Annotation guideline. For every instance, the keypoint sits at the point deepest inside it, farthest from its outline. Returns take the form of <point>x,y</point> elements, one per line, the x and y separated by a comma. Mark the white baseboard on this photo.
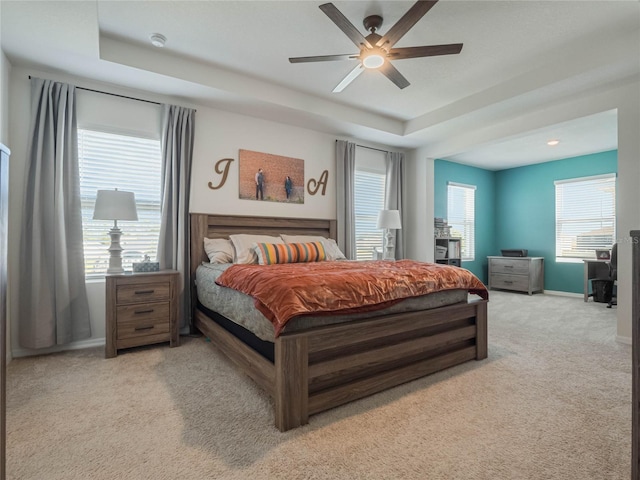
<point>27,352</point>
<point>563,294</point>
<point>625,340</point>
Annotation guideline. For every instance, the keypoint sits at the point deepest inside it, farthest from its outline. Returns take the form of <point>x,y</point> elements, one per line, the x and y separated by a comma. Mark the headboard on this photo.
<point>221,226</point>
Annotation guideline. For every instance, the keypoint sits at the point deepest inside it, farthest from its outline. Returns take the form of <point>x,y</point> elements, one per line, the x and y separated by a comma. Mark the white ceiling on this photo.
<point>582,136</point>
<point>517,56</point>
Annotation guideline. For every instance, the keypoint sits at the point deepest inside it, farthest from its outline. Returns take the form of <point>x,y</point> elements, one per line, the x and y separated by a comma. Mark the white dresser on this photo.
<point>522,274</point>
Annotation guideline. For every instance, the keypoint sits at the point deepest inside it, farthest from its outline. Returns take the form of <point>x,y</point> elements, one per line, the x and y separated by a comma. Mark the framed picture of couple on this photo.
<point>272,178</point>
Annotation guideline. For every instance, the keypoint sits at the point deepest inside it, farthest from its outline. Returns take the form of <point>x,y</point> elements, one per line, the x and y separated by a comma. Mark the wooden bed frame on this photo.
<point>320,368</point>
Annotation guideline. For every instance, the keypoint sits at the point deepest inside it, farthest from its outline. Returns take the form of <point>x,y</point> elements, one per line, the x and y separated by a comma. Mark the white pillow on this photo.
<point>333,250</point>
<point>219,250</point>
<point>243,244</point>
<point>330,246</point>
<point>301,238</point>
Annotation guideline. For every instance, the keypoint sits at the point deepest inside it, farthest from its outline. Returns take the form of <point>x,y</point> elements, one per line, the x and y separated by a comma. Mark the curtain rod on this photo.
<point>371,148</point>
<point>118,95</point>
<point>115,95</point>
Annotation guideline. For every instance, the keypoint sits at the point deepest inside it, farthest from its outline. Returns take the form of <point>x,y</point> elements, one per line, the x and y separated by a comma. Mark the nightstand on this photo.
<point>142,309</point>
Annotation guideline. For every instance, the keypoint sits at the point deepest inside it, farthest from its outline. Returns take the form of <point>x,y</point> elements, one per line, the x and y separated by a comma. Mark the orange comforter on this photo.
<point>282,292</point>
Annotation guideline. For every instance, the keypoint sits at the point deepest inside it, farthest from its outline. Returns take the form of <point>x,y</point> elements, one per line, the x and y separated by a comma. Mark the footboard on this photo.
<point>319,369</point>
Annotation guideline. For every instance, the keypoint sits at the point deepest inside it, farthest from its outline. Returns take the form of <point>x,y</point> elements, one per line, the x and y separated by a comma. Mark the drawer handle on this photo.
<point>140,312</point>
<point>144,292</point>
<point>508,281</point>
<point>139,329</point>
<point>508,266</point>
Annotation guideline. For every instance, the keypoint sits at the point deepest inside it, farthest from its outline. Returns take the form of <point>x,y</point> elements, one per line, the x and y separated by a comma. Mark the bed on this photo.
<point>317,368</point>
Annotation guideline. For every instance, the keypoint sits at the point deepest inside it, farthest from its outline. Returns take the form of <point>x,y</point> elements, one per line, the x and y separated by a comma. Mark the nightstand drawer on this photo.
<point>144,328</point>
<point>509,266</point>
<point>145,311</point>
<point>143,293</point>
<point>509,282</point>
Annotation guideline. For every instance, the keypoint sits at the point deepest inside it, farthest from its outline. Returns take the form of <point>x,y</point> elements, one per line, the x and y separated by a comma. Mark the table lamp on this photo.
<point>389,220</point>
<point>115,205</point>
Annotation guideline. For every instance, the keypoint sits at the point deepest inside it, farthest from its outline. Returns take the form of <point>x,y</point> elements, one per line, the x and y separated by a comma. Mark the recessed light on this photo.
<point>157,40</point>
<point>553,143</point>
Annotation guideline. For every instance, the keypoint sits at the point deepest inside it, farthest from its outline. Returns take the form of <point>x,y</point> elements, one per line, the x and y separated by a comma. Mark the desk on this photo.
<point>594,269</point>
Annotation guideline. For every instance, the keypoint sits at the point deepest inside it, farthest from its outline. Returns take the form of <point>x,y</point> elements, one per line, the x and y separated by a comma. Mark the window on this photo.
<point>585,216</point>
<point>461,212</point>
<point>133,164</point>
<point>369,200</point>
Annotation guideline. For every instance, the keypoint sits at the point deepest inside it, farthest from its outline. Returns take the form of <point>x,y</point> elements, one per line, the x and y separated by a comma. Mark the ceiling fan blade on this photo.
<point>394,75</point>
<point>324,58</point>
<point>407,21</point>
<point>345,25</point>
<point>427,51</point>
<point>349,78</point>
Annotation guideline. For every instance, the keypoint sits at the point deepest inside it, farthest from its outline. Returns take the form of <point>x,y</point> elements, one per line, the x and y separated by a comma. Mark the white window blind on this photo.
<point>369,200</point>
<point>461,213</point>
<point>133,164</point>
<point>585,216</point>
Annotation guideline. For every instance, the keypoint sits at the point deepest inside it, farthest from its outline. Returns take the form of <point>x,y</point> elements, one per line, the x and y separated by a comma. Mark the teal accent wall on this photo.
<point>484,180</point>
<point>525,212</point>
<point>515,208</point>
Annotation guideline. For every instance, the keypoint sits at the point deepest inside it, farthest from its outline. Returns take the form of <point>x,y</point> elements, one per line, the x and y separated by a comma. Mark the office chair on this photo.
<point>613,274</point>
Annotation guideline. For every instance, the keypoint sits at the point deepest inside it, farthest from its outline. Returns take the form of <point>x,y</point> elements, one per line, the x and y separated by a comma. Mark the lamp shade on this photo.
<point>389,219</point>
<point>115,205</point>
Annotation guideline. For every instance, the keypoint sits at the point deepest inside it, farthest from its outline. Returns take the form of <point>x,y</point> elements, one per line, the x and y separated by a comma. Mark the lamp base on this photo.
<point>390,248</point>
<point>115,259</point>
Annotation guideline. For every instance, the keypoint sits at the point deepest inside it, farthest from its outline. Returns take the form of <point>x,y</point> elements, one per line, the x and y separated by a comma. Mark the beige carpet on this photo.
<point>552,401</point>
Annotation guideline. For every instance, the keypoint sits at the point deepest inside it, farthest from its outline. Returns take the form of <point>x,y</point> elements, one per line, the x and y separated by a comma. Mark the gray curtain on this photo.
<point>345,190</point>
<point>394,196</point>
<point>178,125</point>
<point>53,306</point>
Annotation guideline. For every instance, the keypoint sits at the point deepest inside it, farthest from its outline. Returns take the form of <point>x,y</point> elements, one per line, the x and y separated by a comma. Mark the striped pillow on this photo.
<point>272,253</point>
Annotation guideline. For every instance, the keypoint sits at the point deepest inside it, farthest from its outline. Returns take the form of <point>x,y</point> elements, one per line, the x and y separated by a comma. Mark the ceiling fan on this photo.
<point>376,52</point>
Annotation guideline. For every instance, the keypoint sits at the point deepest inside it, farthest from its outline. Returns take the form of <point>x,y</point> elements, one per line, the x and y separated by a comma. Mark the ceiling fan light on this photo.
<point>374,60</point>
